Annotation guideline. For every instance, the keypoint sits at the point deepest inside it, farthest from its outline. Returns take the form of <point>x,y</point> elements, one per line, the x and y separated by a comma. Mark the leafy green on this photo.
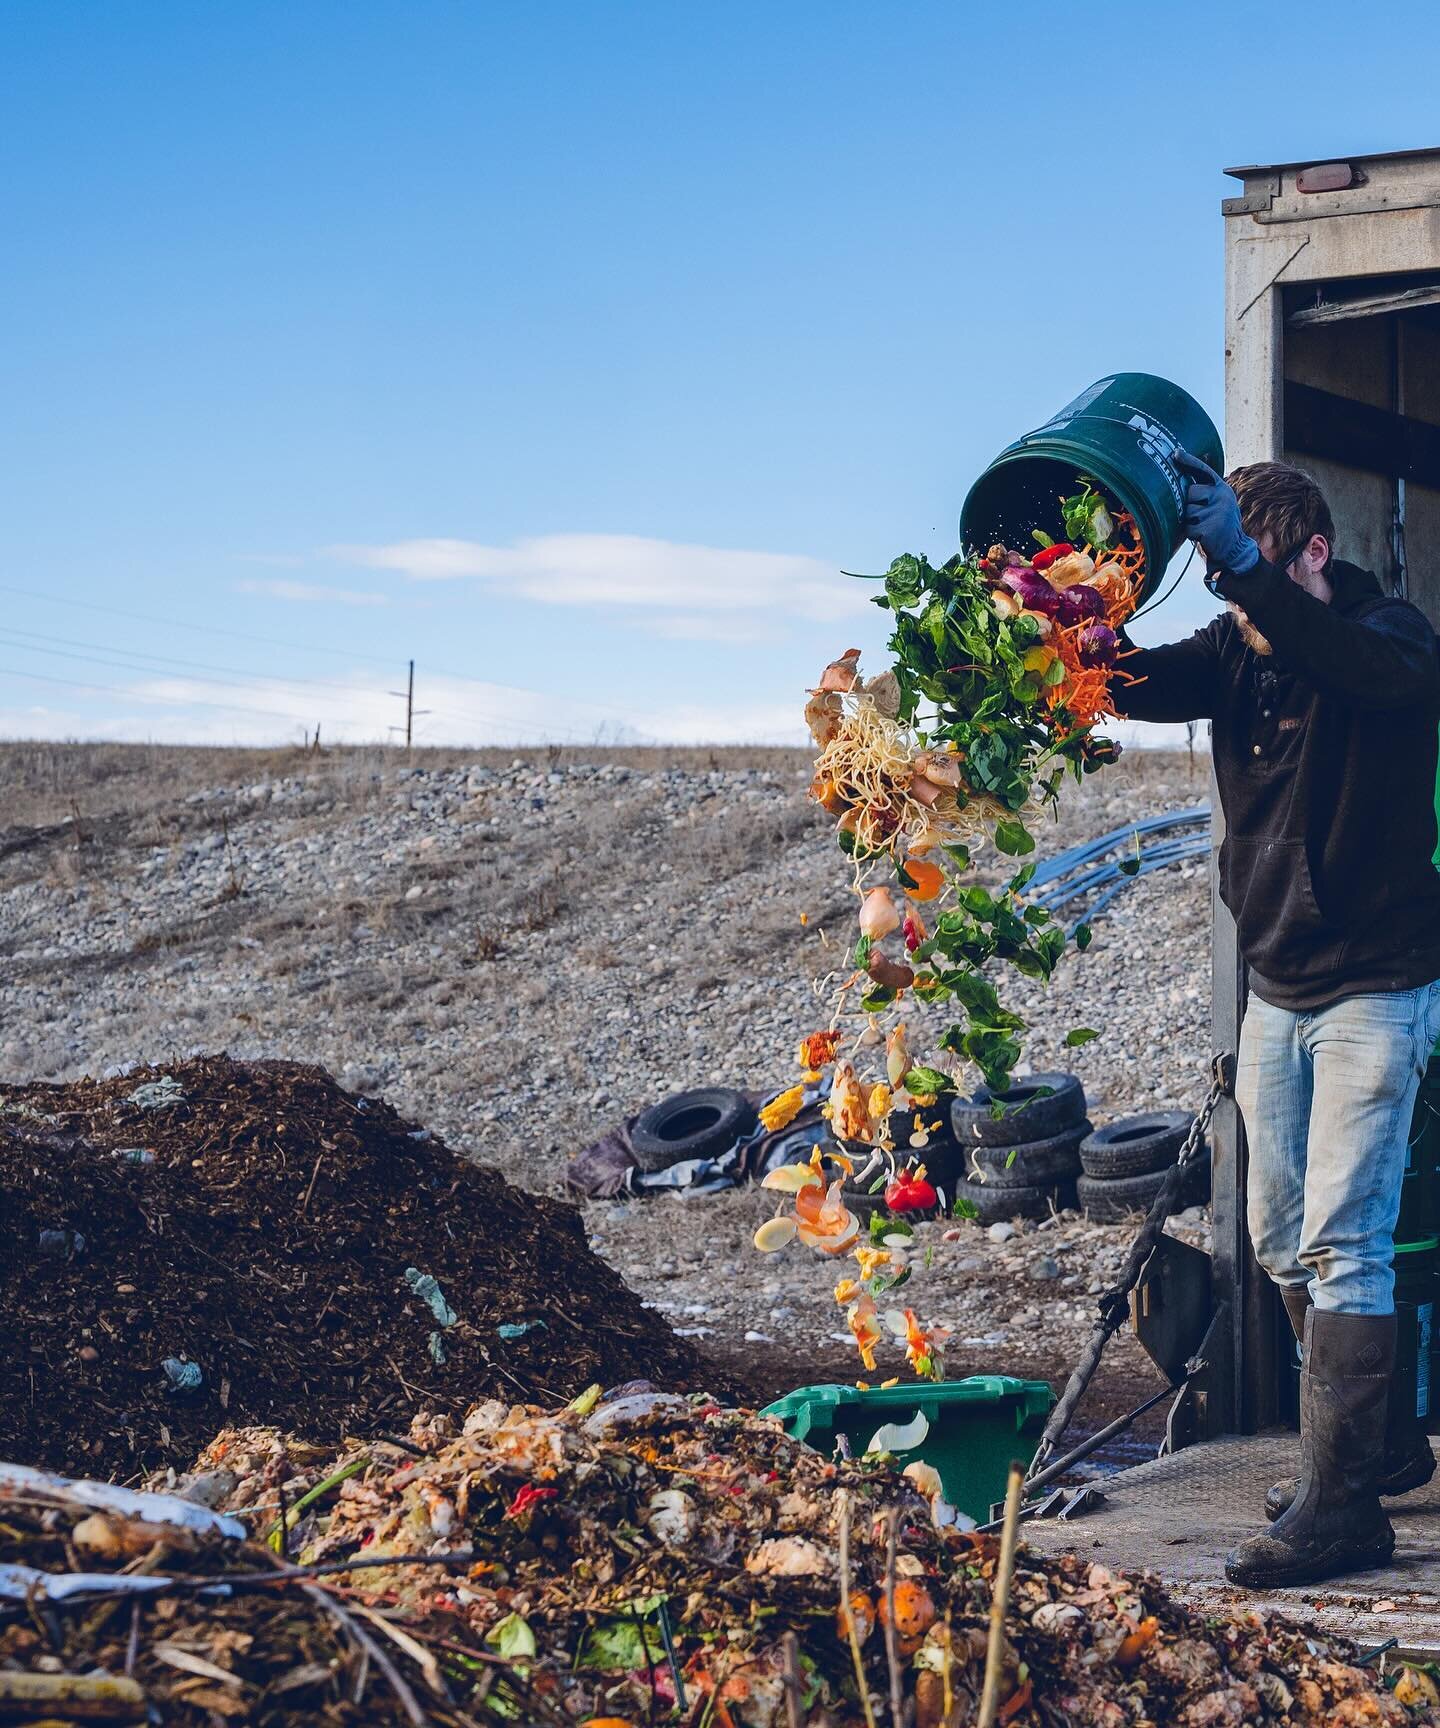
<point>928,1080</point>
<point>512,1637</point>
<point>964,683</point>
<point>1080,1035</point>
<point>1014,838</point>
<point>1087,518</point>
<point>616,1646</point>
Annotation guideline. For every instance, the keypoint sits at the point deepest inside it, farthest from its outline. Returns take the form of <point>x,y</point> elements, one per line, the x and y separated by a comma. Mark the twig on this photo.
<point>369,1649</point>
<point>667,1638</point>
<point>283,1523</point>
<point>305,1203</point>
<point>132,1643</point>
<point>790,1652</point>
<point>494,1665</point>
<point>1000,1600</point>
<point>85,1697</point>
<point>649,1663</point>
<point>847,1618</point>
<point>892,1652</point>
<point>423,1659</point>
<point>399,1685</point>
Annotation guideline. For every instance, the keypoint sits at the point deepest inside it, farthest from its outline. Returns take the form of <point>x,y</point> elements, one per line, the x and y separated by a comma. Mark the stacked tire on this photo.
<point>939,1155</point>
<point>1022,1161</point>
<point>1126,1162</point>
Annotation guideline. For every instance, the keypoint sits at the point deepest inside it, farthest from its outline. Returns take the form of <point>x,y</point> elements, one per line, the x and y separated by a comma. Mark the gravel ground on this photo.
<point>521,950</point>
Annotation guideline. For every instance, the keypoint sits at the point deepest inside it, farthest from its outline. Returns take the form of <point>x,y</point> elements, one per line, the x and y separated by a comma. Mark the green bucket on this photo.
<point>1416,1264</point>
<point>978,1427</point>
<point>1122,433</point>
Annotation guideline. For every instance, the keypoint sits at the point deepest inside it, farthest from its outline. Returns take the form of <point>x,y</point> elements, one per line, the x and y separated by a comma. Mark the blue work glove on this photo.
<point>1212,516</point>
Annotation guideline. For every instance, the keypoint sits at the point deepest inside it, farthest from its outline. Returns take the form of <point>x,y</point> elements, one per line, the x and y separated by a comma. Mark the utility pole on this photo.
<point>411,711</point>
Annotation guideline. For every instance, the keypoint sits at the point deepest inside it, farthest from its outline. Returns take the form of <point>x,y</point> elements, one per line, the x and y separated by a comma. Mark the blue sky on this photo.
<point>574,349</point>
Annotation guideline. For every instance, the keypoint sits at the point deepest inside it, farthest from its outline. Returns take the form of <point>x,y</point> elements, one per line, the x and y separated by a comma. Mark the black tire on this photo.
<point>1135,1145</point>
<point>1113,1201</point>
<point>995,1205</point>
<point>1033,1165</point>
<point>943,1160</point>
<point>698,1124</point>
<point>1038,1107</point>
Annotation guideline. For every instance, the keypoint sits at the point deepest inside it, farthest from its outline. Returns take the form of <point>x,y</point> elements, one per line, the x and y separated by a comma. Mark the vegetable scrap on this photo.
<point>677,1563</point>
<point>1004,666</point>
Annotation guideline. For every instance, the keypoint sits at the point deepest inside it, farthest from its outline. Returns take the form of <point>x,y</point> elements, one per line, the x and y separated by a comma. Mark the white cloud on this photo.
<point>666,576</point>
<point>198,711</point>
<point>317,591</point>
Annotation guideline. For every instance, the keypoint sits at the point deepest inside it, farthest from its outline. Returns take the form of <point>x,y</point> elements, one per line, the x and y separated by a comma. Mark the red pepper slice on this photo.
<point>527,1498</point>
<point>908,1193</point>
<point>1047,555</point>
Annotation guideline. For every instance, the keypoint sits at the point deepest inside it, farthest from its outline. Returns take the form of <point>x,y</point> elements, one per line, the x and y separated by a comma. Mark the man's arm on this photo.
<point>1385,659</point>
<point>1175,682</point>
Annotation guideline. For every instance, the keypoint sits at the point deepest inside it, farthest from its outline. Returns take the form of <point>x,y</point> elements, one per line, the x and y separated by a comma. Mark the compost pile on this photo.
<point>640,1558</point>
<point>219,1242</point>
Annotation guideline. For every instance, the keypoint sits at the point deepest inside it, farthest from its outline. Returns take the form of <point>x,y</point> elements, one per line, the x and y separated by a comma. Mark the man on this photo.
<point>1324,698</point>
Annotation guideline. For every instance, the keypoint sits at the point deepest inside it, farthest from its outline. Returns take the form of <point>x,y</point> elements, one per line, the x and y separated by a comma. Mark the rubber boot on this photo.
<point>1408,1462</point>
<point>1335,1523</point>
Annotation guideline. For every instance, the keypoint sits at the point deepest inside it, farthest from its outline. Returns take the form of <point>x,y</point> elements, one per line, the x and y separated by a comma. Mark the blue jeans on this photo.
<point>1327,1099</point>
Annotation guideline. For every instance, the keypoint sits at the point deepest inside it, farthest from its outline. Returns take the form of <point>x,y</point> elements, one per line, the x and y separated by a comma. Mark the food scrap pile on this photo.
<point>1004,665</point>
<point>247,1242</point>
<point>631,1560</point>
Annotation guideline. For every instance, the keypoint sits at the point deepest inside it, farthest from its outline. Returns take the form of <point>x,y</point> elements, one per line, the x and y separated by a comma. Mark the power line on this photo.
<point>120,662</point>
<point>136,696</point>
<point>292,646</point>
<point>139,654</point>
<point>103,656</point>
<point>181,624</point>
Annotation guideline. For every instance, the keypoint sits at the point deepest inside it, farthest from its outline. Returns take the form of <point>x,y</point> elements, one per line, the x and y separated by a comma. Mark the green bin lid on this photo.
<point>1423,1246</point>
<point>929,1395</point>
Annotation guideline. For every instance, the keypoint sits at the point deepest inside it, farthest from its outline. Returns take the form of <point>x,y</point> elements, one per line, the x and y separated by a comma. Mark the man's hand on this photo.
<point>1212,516</point>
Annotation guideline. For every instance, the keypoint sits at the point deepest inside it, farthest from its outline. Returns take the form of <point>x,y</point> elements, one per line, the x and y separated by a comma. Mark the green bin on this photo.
<point>1417,1188</point>
<point>978,1427</point>
<point>1419,1214</point>
<point>1415,1284</point>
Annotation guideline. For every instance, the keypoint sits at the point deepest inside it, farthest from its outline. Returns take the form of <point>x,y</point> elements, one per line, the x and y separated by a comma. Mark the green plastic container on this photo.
<point>1417,1188</point>
<point>978,1427</point>
<point>1420,1192</point>
<point>1416,1266</point>
<point>1122,433</point>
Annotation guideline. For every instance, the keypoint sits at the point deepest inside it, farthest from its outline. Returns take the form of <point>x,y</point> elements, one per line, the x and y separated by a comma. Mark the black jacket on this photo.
<point>1325,757</point>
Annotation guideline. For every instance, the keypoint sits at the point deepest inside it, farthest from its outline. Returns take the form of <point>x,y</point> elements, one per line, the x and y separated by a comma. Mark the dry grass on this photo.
<point>42,782</point>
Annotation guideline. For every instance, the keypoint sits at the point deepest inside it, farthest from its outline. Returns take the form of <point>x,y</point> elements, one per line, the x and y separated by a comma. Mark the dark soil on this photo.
<point>268,1243</point>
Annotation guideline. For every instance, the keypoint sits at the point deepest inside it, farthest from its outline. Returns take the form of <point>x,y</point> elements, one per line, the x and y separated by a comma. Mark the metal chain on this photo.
<point>1219,1086</point>
<point>1114,1304</point>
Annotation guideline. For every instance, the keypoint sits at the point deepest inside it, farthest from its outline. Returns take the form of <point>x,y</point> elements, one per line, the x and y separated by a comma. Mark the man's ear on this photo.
<point>1317,552</point>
